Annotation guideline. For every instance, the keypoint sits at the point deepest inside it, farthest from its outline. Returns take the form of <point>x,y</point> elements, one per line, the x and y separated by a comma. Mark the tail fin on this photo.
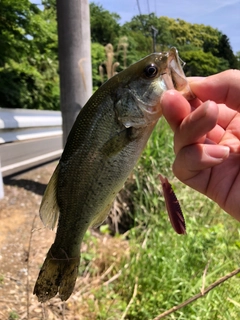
<point>56,275</point>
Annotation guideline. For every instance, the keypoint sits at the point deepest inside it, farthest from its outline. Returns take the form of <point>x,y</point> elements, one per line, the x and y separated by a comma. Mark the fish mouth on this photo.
<point>174,77</point>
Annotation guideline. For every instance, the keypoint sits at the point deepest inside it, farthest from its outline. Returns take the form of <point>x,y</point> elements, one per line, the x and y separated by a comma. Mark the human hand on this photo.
<point>207,137</point>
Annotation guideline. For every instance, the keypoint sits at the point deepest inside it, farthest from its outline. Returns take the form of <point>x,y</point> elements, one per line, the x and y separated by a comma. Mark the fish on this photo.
<point>102,148</point>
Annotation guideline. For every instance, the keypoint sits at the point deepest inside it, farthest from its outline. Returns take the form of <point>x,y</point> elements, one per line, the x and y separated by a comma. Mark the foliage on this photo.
<point>29,51</point>
<point>28,57</point>
<point>104,25</point>
<point>14,26</point>
<point>173,32</point>
<point>13,315</point>
<point>238,59</point>
<point>199,63</point>
<point>23,86</point>
<point>192,34</point>
<point>165,269</point>
<point>98,56</point>
<point>207,49</point>
<point>225,51</point>
<point>139,31</point>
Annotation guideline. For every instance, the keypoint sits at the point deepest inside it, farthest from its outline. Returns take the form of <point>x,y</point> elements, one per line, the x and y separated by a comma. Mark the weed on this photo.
<point>13,315</point>
<point>169,267</point>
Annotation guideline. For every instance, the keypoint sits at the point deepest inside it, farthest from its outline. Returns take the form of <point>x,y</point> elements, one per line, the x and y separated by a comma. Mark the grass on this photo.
<point>13,315</point>
<point>163,268</point>
<point>1,279</point>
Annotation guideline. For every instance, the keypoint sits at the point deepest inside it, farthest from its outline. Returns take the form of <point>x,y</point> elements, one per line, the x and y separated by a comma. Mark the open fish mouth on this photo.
<point>175,78</point>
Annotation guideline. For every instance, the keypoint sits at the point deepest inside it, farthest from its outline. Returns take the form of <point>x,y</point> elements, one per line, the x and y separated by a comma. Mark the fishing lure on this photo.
<point>173,207</point>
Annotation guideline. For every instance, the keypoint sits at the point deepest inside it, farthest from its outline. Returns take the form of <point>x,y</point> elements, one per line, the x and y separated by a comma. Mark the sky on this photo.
<point>223,15</point>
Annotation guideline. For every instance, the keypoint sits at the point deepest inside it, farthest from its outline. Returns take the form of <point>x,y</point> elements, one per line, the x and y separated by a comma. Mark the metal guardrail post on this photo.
<point>1,183</point>
<point>28,138</point>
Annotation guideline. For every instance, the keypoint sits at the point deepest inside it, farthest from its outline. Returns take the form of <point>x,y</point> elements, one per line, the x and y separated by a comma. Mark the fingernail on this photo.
<point>199,113</point>
<point>217,151</point>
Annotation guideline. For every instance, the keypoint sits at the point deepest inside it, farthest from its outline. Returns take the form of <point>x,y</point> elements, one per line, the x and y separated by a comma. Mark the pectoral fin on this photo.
<point>49,210</point>
<point>117,142</point>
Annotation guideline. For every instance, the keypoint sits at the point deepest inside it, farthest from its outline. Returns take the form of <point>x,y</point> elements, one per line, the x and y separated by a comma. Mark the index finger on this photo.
<point>175,108</point>
<point>221,88</point>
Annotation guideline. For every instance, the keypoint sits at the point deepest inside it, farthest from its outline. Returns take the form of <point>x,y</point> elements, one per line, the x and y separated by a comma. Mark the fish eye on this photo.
<point>151,71</point>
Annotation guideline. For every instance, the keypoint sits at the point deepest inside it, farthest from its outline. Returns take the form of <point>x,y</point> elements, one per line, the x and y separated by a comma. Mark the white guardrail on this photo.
<point>24,125</point>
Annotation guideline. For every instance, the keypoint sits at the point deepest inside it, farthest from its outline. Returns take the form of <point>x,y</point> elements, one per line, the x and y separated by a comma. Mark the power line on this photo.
<point>148,6</point>
<point>140,14</point>
<point>139,8</point>
<point>154,31</point>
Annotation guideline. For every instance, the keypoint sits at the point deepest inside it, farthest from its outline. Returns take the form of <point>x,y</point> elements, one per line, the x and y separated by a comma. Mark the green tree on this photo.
<point>14,28</point>
<point>28,56</point>
<point>29,48</point>
<point>225,51</point>
<point>172,32</point>
<point>196,35</point>
<point>139,33</point>
<point>205,49</point>
<point>98,57</point>
<point>104,25</point>
<point>238,59</point>
<point>200,63</point>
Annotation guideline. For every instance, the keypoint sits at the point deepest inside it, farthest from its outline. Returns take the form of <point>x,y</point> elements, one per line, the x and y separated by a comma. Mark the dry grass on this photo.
<point>23,248</point>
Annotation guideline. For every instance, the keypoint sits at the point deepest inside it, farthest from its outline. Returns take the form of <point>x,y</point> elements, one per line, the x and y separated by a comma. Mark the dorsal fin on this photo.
<point>49,210</point>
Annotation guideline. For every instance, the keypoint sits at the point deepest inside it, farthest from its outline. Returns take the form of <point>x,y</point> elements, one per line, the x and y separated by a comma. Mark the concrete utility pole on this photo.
<point>74,45</point>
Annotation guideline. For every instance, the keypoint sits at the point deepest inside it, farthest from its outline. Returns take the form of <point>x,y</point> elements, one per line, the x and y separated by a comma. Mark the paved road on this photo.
<point>18,156</point>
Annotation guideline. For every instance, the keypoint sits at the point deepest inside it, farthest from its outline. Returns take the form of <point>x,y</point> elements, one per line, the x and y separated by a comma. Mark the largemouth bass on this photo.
<point>102,148</point>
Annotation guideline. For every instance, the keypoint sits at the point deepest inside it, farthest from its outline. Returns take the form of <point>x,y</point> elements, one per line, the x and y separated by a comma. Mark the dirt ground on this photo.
<point>24,243</point>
